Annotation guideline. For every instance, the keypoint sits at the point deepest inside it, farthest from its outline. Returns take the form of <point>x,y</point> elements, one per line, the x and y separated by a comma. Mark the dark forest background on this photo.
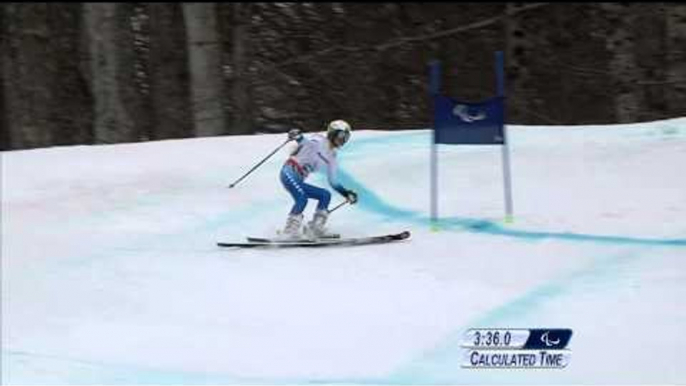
<point>92,73</point>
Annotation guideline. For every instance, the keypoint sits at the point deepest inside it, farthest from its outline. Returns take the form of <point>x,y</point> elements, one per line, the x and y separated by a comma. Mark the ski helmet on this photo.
<point>338,132</point>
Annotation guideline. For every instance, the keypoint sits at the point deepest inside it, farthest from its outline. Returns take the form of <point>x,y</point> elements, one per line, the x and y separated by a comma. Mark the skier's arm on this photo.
<point>300,140</point>
<point>296,135</point>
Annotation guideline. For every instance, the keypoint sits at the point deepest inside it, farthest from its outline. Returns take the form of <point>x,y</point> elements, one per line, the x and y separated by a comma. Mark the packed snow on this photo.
<point>111,273</point>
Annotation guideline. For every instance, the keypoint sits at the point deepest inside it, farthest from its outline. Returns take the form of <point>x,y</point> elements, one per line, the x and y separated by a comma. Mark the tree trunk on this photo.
<point>72,105</point>
<point>168,72</point>
<point>517,74</point>
<point>676,58</point>
<point>242,119</point>
<point>26,71</point>
<point>110,84</point>
<point>623,64</point>
<point>651,59</point>
<point>206,68</point>
<point>5,136</point>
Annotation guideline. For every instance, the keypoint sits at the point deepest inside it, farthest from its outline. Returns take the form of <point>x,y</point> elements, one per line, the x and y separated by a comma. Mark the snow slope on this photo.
<point>110,273</point>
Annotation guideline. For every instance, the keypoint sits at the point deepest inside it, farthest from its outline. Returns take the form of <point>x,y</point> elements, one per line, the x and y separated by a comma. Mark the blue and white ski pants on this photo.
<point>301,192</point>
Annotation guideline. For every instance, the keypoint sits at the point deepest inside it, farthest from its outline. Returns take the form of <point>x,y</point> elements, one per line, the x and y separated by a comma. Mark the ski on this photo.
<point>276,243</point>
<point>306,235</point>
<point>304,238</point>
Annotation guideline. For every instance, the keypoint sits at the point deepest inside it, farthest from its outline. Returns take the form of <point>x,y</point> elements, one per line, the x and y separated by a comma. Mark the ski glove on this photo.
<point>351,196</point>
<point>295,135</point>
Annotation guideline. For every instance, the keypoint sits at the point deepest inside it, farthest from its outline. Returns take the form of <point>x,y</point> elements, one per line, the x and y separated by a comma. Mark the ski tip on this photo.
<point>400,235</point>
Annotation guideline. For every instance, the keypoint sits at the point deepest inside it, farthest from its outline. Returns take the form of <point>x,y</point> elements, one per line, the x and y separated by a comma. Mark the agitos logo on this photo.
<point>548,339</point>
<point>464,113</point>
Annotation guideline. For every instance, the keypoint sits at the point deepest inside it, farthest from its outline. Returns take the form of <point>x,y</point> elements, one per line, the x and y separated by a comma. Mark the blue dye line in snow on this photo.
<point>407,375</point>
<point>373,203</point>
<point>526,303</point>
<point>437,366</point>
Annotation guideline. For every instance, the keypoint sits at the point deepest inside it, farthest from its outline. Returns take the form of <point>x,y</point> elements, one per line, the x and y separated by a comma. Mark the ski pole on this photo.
<point>339,205</point>
<point>259,164</point>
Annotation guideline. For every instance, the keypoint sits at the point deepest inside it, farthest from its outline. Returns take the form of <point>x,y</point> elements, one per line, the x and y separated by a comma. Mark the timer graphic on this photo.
<point>516,348</point>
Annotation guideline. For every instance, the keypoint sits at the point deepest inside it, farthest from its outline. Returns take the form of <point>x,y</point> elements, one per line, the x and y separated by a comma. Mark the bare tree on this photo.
<point>109,45</point>
<point>676,57</point>
<point>204,48</point>
<point>71,103</point>
<point>5,136</point>
<point>517,47</point>
<point>240,96</point>
<point>623,64</point>
<point>168,72</point>
<point>26,72</point>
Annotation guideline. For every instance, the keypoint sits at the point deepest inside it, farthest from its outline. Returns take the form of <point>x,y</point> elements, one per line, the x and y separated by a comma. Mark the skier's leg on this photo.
<point>319,194</point>
<point>292,182</point>
<point>316,226</point>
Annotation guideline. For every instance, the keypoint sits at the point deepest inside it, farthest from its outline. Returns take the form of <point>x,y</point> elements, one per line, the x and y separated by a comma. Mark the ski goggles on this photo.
<point>341,137</point>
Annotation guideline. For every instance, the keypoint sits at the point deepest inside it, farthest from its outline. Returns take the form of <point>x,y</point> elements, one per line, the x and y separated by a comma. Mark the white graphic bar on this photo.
<point>516,359</point>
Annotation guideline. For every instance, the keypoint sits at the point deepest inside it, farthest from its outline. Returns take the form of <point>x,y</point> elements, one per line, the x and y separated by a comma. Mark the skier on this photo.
<point>311,155</point>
